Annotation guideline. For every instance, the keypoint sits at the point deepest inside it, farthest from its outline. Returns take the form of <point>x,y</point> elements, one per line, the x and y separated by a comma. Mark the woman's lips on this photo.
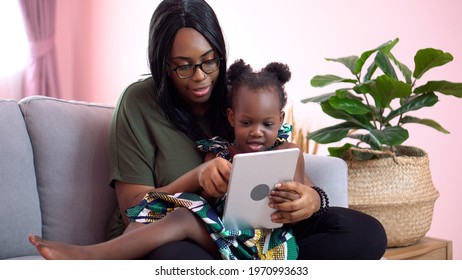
<point>199,92</point>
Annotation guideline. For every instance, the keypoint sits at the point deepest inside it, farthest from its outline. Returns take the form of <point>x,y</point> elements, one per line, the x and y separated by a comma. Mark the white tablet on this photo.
<point>253,176</point>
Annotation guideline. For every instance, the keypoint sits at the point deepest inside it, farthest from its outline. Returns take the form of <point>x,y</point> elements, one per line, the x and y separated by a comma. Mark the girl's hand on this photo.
<point>213,176</point>
<point>294,202</point>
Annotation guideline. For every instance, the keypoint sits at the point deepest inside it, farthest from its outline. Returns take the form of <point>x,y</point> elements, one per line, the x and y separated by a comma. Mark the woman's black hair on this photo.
<point>168,18</point>
<point>274,76</point>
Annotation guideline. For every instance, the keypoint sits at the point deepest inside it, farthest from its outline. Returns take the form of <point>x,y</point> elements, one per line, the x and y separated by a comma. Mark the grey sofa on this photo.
<point>54,173</point>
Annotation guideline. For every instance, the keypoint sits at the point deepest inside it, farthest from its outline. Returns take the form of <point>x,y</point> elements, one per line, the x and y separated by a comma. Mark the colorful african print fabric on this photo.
<point>244,244</point>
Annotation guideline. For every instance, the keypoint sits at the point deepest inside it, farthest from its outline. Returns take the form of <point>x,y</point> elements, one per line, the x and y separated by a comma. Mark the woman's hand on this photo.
<point>213,176</point>
<point>294,202</point>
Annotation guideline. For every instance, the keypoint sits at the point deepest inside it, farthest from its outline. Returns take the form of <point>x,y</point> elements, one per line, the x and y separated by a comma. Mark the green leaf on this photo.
<point>351,106</point>
<point>369,139</point>
<point>426,59</point>
<point>370,71</point>
<point>339,151</point>
<point>383,62</point>
<point>365,55</point>
<point>331,134</point>
<point>318,99</point>
<point>364,155</point>
<point>391,136</point>
<point>361,121</point>
<point>324,80</point>
<point>331,111</point>
<point>388,46</point>
<point>363,88</point>
<point>444,87</point>
<point>343,92</point>
<point>385,89</point>
<point>384,49</point>
<point>349,61</point>
<point>413,104</point>
<point>407,73</point>
<point>427,122</point>
<point>346,93</point>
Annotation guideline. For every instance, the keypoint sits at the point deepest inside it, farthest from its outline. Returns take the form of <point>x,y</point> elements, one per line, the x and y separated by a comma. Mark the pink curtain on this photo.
<point>41,76</point>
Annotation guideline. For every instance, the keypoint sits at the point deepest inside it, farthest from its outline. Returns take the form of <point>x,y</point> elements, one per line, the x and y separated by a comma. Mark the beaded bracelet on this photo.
<point>324,201</point>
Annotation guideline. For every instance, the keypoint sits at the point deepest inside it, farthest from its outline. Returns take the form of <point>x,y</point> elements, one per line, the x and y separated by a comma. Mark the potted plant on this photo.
<point>386,179</point>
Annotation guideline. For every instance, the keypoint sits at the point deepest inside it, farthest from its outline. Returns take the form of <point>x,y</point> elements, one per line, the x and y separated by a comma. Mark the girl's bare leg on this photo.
<point>137,240</point>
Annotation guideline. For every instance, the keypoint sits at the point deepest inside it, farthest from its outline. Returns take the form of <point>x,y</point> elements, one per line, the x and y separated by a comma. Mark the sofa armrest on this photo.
<point>330,174</point>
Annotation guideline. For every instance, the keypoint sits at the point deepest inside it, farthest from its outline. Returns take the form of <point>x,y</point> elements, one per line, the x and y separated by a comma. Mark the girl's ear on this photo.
<point>230,114</point>
<point>282,116</point>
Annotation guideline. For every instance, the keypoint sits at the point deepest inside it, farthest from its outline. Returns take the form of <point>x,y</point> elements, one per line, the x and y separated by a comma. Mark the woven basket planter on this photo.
<point>398,191</point>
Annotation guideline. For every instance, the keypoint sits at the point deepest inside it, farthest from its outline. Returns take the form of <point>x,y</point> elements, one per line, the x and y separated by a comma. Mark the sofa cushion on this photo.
<point>19,203</point>
<point>330,174</point>
<point>70,144</point>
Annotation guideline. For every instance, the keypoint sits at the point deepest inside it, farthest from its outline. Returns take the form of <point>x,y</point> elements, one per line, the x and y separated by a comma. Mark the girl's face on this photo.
<point>191,48</point>
<point>256,117</point>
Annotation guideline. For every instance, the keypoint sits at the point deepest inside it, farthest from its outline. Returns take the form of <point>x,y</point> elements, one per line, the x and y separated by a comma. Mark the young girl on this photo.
<point>256,114</point>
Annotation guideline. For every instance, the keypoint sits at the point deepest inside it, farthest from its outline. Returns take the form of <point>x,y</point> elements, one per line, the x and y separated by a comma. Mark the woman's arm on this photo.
<point>295,200</point>
<point>129,195</point>
<point>290,211</point>
<point>211,176</point>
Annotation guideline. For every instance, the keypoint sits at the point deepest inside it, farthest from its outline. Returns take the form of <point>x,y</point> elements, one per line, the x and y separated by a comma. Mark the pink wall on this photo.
<point>102,48</point>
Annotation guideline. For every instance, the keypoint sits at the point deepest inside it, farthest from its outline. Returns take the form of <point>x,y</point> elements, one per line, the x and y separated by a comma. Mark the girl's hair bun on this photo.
<point>281,71</point>
<point>237,69</point>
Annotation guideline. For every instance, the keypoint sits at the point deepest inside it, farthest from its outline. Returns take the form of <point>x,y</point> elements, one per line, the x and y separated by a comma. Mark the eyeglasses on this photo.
<point>187,71</point>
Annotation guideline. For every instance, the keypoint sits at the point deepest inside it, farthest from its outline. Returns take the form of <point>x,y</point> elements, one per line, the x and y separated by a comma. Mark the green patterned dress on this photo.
<point>243,244</point>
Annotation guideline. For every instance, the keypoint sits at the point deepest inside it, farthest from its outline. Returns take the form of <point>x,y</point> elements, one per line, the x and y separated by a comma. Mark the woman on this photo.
<point>256,114</point>
<point>158,120</point>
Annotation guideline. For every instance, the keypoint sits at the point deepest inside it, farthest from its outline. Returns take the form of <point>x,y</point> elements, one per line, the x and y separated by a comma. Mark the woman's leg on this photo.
<point>180,250</point>
<point>137,241</point>
<point>339,234</point>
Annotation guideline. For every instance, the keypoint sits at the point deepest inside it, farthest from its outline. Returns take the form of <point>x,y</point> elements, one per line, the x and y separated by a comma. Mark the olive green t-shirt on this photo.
<point>144,147</point>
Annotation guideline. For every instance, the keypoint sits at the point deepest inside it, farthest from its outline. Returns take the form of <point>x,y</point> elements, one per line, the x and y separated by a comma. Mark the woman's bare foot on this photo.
<point>52,250</point>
